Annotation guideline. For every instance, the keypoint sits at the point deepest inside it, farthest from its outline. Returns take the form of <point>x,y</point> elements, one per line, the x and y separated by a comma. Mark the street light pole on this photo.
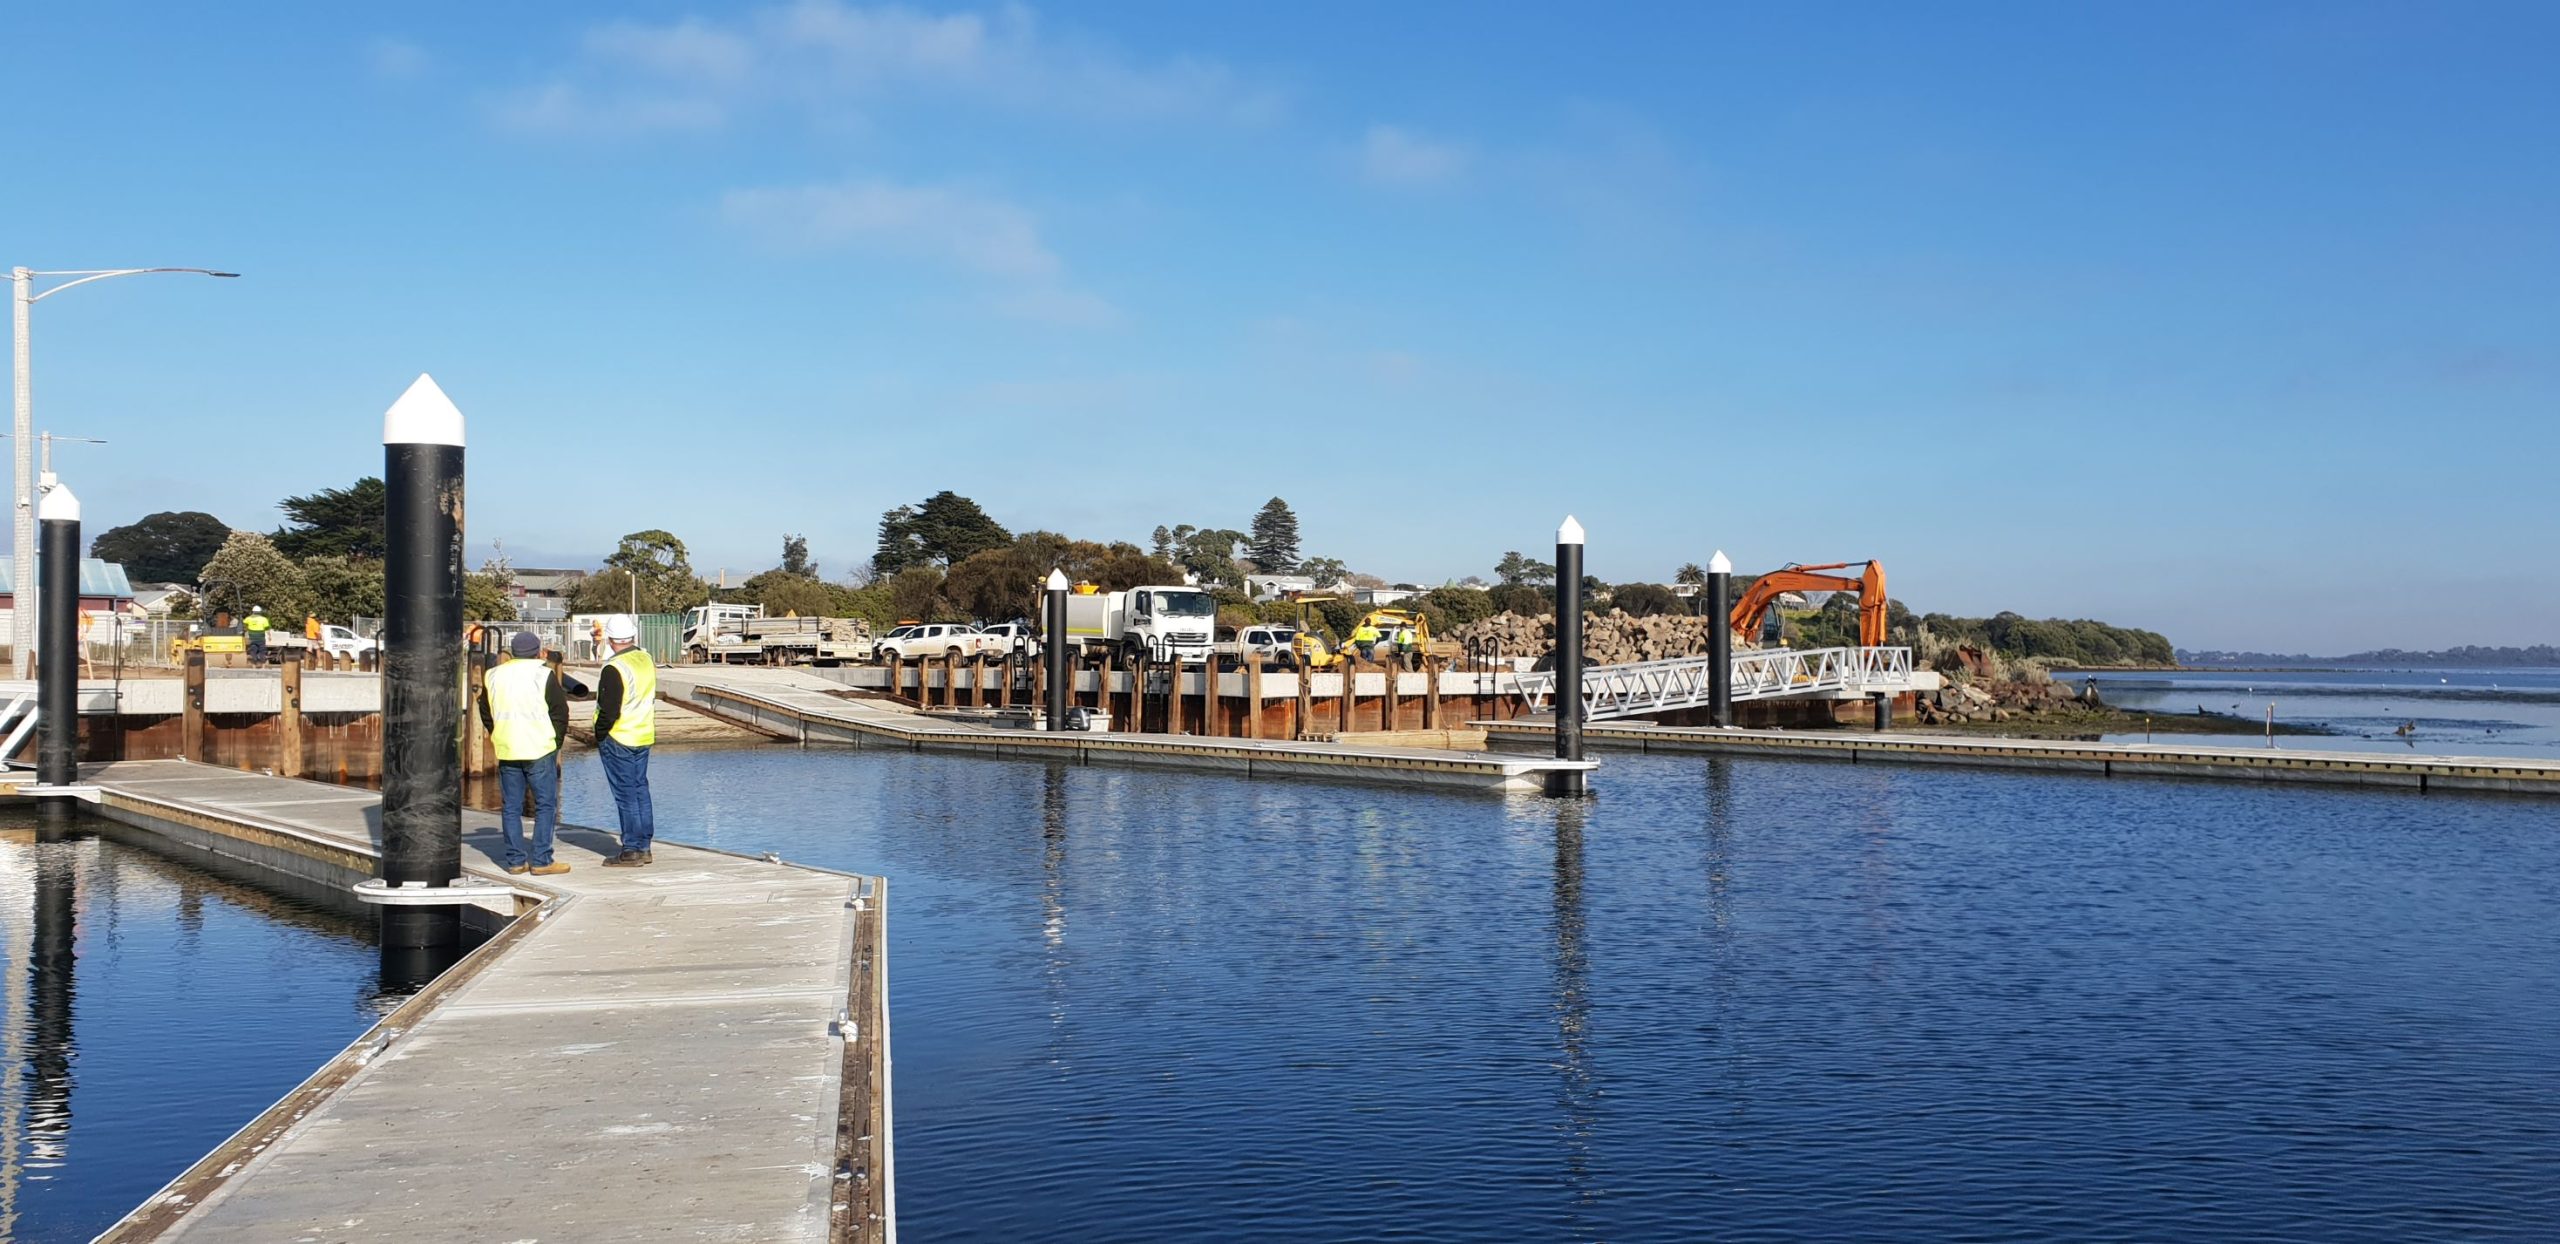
<point>22,300</point>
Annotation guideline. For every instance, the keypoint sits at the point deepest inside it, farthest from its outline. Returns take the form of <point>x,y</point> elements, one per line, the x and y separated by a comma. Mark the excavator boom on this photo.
<point>1762,595</point>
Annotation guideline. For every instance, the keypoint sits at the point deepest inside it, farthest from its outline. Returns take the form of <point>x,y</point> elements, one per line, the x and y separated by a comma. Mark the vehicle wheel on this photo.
<point>953,653</point>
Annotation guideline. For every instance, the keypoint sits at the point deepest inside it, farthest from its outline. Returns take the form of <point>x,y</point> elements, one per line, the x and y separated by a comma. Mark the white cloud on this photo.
<point>829,61</point>
<point>397,60</point>
<point>977,232</point>
<point>1063,307</point>
<point>1393,156</point>
<point>559,108</point>
<point>993,238</point>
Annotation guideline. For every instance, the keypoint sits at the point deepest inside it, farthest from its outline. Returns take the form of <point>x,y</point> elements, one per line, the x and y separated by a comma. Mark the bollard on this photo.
<point>289,719</point>
<point>57,655</point>
<point>1720,640</point>
<point>1884,713</point>
<point>1053,657</point>
<point>1253,697</point>
<point>1568,697</point>
<point>422,674</point>
<point>191,718</point>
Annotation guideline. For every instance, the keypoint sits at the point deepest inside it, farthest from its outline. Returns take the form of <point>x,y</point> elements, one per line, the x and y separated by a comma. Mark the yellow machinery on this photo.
<point>1386,621</point>
<point>1309,647</point>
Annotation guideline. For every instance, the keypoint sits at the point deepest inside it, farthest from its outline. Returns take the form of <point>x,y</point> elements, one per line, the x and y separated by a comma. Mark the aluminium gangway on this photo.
<point>1641,687</point>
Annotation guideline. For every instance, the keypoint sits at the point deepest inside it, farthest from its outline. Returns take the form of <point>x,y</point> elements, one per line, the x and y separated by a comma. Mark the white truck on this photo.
<point>742,635</point>
<point>1167,622</point>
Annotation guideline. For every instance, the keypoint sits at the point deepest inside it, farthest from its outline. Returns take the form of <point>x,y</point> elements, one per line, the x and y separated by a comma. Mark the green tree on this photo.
<point>795,558</point>
<point>342,522</point>
<point>1456,606</point>
<point>1211,554</point>
<point>1274,543</point>
<point>1163,541</point>
<point>1645,599</point>
<point>1326,571</point>
<point>650,564</point>
<point>1515,569</point>
<point>343,588</point>
<point>489,596</point>
<point>784,595</point>
<point>945,529</point>
<point>915,595</point>
<point>1691,574</point>
<point>168,547</point>
<point>248,571</point>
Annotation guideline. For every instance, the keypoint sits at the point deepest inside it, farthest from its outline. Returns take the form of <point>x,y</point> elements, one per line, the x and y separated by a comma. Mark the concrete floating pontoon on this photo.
<point>812,712</point>
<point>696,1049</point>
<point>2411,772</point>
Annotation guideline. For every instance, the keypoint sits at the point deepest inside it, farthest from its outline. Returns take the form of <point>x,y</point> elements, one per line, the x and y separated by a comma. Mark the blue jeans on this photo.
<point>626,770</point>
<point>544,775</point>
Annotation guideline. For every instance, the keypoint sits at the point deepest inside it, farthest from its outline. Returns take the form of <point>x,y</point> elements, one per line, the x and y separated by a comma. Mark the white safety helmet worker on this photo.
<point>621,629</point>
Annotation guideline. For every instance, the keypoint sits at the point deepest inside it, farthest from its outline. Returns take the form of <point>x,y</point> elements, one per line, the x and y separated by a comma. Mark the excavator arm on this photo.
<point>1762,595</point>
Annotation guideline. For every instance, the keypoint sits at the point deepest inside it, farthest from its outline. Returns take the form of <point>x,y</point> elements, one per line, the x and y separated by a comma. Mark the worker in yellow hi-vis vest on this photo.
<point>256,626</point>
<point>626,727</point>
<point>527,713</point>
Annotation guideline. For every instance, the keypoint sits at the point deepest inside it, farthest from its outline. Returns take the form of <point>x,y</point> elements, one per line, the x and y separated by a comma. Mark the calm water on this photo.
<point>147,1011</point>
<point>1723,999</point>
<point>2448,712</point>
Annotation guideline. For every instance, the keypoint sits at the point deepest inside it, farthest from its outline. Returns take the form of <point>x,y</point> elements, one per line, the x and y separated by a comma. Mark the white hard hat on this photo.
<point>257,608</point>
<point>620,626</point>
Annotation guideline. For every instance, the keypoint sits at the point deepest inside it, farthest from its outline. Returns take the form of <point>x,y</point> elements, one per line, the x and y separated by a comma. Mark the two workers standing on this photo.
<point>527,713</point>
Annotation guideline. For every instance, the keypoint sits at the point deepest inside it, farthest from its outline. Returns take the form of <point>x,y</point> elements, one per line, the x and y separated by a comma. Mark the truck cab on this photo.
<point>1164,622</point>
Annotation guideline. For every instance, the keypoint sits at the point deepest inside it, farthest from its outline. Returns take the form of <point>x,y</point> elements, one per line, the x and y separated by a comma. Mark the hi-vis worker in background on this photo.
<point>311,627</point>
<point>256,628</point>
<point>527,713</point>
<point>626,727</point>
<point>1364,640</point>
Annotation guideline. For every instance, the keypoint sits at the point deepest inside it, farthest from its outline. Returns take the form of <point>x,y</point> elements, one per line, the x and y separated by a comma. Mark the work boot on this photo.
<point>518,870</point>
<point>628,859</point>
<point>552,869</point>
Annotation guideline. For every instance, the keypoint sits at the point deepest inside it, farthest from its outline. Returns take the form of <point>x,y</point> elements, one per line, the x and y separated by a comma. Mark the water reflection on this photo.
<point>37,1127</point>
<point>147,1010</point>
<point>1577,1098</point>
<point>1053,903</point>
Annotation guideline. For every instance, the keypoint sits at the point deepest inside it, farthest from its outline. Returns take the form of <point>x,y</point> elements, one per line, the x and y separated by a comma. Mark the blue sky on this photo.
<point>2235,321</point>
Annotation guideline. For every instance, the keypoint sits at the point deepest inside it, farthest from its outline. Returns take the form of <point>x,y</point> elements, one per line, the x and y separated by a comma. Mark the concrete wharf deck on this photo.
<point>2417,772</point>
<point>812,710</point>
<point>695,1049</point>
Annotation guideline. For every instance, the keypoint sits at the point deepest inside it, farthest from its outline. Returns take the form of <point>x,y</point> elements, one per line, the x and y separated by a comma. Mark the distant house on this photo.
<point>1381,597</point>
<point>153,600</point>
<point>543,595</point>
<point>103,587</point>
<point>1262,587</point>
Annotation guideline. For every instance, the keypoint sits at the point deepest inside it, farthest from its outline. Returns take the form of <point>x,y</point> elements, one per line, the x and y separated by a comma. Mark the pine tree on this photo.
<point>1274,546</point>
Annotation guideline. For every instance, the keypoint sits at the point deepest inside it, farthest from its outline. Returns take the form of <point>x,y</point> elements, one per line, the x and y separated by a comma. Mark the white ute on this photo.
<point>936,639</point>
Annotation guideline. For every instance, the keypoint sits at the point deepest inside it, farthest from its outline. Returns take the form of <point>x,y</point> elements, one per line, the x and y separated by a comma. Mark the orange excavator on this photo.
<point>1764,591</point>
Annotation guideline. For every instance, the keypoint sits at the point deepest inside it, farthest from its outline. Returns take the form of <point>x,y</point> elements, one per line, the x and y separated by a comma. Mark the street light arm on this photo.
<point>87,275</point>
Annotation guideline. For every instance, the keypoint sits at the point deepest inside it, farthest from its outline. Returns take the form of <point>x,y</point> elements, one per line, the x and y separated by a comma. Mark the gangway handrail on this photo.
<point>1638,688</point>
<point>24,703</point>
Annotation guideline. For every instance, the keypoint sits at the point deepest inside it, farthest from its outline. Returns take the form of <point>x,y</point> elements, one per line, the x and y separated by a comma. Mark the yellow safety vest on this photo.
<point>1364,635</point>
<point>638,724</point>
<point>520,710</point>
<point>257,622</point>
